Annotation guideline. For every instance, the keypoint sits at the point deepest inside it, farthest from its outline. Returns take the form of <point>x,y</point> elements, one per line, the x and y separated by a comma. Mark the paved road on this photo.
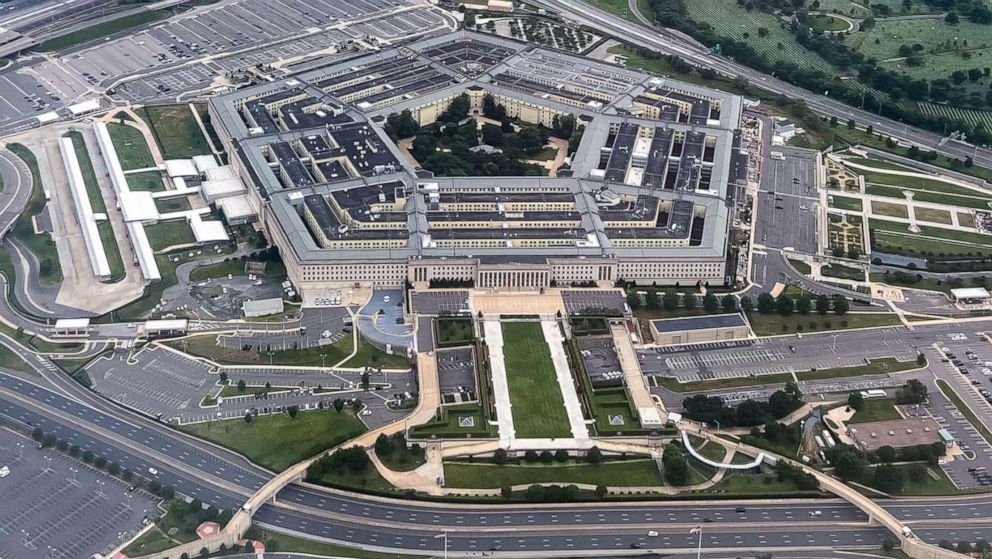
<point>666,40</point>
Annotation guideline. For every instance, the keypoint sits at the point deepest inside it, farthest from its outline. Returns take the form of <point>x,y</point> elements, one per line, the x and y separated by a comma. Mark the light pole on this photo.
<point>445,536</point>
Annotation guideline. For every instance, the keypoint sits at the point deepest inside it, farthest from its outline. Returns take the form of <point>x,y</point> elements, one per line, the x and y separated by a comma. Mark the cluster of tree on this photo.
<point>351,460</point>
<point>787,472</point>
<point>785,305</point>
<point>671,300</point>
<point>982,547</point>
<point>562,126</point>
<point>713,410</point>
<point>851,464</point>
<point>446,149</point>
<point>551,493</point>
<point>675,464</point>
<point>913,392</point>
<point>778,434</point>
<point>896,86</point>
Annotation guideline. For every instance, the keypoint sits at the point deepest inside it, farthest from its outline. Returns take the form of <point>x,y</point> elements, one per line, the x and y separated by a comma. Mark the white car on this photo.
<point>366,412</point>
<point>4,471</point>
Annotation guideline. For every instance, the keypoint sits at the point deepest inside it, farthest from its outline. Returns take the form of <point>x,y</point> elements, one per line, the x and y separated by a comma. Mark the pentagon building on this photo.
<point>649,195</point>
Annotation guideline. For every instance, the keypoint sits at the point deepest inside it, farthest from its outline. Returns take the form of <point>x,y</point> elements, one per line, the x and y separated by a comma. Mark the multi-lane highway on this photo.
<point>224,479</point>
<point>676,43</point>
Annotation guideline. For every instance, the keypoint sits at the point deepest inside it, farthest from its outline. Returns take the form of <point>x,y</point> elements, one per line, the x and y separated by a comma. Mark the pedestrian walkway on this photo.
<point>501,388</point>
<point>576,421</point>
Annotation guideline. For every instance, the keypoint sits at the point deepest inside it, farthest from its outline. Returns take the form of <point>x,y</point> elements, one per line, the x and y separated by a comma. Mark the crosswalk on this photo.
<point>723,359</point>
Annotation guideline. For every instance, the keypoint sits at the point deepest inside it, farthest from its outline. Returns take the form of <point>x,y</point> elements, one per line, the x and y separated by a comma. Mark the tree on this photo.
<point>594,455</point>
<point>804,304</point>
<point>952,18</point>
<point>728,303</point>
<point>840,305</point>
<point>384,446</point>
<point>293,410</point>
<point>888,545</point>
<point>499,456</point>
<point>356,405</point>
<point>855,400</point>
<point>365,380</point>
<point>241,386</point>
<point>751,412</point>
<point>547,456</point>
<point>469,19</point>
<point>781,404</point>
<point>785,305</point>
<point>747,305</point>
<point>670,301</point>
<point>675,464</point>
<point>506,492</point>
<point>822,304</point>
<point>338,404</point>
<point>766,303</point>
<point>921,359</point>
<point>710,303</point>
<point>531,456</point>
<point>633,300</point>
<point>601,492</point>
<point>689,301</point>
<point>886,454</point>
<point>561,455</point>
<point>913,392</point>
<point>651,299</point>
<point>223,377</point>
<point>247,417</point>
<point>37,434</point>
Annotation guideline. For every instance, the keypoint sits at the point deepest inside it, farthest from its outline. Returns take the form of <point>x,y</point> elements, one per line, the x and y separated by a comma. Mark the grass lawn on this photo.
<point>874,367</point>
<point>631,473</point>
<point>701,385</point>
<point>447,423</point>
<point>617,8</point>
<point>41,245</point>
<point>774,324</point>
<point>964,409</point>
<point>712,451</point>
<point>823,22</point>
<point>753,485</point>
<point>538,407</point>
<point>928,196</point>
<point>235,267</point>
<point>102,30</point>
<point>175,129</point>
<point>275,541</point>
<point>846,203</point>
<point>452,332</point>
<point>803,267</point>
<point>174,204</point>
<point>147,181</point>
<point>881,409</point>
<point>546,154</point>
<point>165,234</point>
<point>932,215</point>
<point>890,210</point>
<point>930,283</point>
<point>966,219</point>
<point>278,441</point>
<point>129,143</point>
<point>110,246</point>
<point>206,346</point>
<point>89,175</point>
<point>929,239</point>
<point>843,272</point>
<point>157,539</point>
<point>404,459</point>
<point>935,185</point>
<point>231,390</point>
<point>370,356</point>
<point>13,360</point>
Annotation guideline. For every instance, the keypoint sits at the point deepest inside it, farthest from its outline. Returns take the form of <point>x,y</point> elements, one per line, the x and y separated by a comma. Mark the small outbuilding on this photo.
<point>699,329</point>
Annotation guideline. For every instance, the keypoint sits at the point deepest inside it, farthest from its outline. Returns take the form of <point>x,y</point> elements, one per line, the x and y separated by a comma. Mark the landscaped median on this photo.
<point>964,409</point>
<point>641,472</point>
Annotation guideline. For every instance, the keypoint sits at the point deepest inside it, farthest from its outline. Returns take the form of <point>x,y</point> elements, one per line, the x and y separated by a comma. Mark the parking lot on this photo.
<point>55,507</point>
<point>787,202</point>
<point>601,362</point>
<point>456,375</point>
<point>189,51</point>
<point>433,303</point>
<point>577,301</point>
